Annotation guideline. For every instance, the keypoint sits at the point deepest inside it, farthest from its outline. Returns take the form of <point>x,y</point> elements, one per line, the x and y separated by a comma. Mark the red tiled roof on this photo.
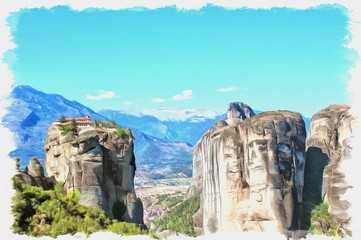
<point>77,119</point>
<point>86,121</point>
<point>83,120</point>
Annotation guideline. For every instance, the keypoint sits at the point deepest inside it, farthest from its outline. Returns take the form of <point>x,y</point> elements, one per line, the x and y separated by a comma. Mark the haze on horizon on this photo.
<point>143,59</point>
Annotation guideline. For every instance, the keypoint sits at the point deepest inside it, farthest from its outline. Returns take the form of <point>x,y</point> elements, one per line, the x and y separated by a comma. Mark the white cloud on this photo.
<point>102,95</point>
<point>158,100</point>
<point>185,95</point>
<point>178,114</point>
<point>229,89</point>
<point>127,102</point>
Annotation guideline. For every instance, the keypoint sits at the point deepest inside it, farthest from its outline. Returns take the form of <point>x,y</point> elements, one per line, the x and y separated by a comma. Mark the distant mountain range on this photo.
<point>190,130</point>
<point>160,151</point>
<point>163,148</point>
<point>161,159</point>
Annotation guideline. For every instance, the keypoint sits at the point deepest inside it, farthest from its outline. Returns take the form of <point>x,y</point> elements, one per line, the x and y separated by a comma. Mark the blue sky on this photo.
<point>165,58</point>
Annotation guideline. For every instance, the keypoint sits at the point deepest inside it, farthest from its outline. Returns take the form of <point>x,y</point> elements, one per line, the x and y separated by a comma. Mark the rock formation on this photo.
<point>249,173</point>
<point>101,165</point>
<point>327,149</point>
<point>33,174</point>
<point>236,112</point>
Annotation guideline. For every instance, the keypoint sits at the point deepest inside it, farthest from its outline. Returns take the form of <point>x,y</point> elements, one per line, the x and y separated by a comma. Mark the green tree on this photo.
<point>125,228</point>
<point>122,133</point>
<point>62,119</point>
<point>322,222</point>
<point>74,195</point>
<point>69,128</point>
<point>52,213</point>
<point>73,124</point>
<point>180,218</point>
<point>58,187</point>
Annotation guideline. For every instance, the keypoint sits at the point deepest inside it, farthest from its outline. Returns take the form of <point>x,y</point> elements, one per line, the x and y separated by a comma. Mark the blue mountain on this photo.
<point>160,159</point>
<point>147,124</point>
<point>190,130</point>
<point>30,115</point>
<point>32,111</point>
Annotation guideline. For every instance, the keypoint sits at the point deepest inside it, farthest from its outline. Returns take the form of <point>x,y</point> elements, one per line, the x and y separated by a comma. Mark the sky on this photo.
<point>140,59</point>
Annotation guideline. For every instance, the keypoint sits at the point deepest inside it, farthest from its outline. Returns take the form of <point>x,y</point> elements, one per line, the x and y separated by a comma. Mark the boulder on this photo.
<point>35,170</point>
<point>25,178</point>
<point>33,174</point>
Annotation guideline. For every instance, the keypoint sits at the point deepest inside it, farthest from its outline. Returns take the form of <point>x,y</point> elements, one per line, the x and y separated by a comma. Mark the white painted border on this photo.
<point>6,79</point>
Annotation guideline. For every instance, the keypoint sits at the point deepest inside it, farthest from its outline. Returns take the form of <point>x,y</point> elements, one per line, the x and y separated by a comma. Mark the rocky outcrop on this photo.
<point>249,173</point>
<point>101,165</point>
<point>236,112</point>
<point>33,174</point>
<point>327,149</point>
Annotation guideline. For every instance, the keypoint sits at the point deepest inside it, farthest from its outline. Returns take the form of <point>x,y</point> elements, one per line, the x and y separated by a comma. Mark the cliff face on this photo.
<point>100,165</point>
<point>327,148</point>
<point>236,112</point>
<point>249,173</point>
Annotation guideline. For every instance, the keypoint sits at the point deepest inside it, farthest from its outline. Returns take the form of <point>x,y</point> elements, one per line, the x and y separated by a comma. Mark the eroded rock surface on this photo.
<point>250,174</point>
<point>100,165</point>
<point>327,149</point>
<point>236,113</point>
<point>33,174</point>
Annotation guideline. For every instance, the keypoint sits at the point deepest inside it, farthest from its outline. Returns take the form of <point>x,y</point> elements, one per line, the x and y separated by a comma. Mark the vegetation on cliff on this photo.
<point>65,130</point>
<point>322,223</point>
<point>39,212</point>
<point>168,200</point>
<point>180,218</point>
<point>122,133</point>
<point>72,128</point>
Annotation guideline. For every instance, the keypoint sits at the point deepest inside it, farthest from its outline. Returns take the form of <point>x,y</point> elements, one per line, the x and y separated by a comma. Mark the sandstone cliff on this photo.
<point>101,165</point>
<point>327,149</point>
<point>249,173</point>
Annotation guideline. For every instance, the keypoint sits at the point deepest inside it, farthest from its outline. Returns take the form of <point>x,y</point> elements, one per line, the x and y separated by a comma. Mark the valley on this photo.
<point>159,199</point>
